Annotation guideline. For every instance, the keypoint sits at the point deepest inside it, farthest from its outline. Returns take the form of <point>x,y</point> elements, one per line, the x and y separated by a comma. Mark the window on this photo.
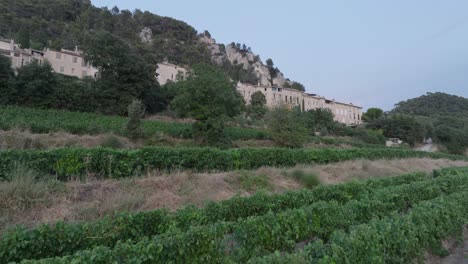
<point>265,89</point>
<point>280,89</point>
<point>62,69</point>
<point>172,76</point>
<point>286,98</point>
<point>58,56</point>
<point>72,70</point>
<point>75,59</point>
<point>274,89</point>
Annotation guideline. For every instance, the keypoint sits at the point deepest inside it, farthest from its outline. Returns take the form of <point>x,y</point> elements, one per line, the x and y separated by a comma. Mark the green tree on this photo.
<point>405,127</point>
<point>319,120</point>
<point>24,39</point>
<point>372,114</point>
<point>123,76</point>
<point>208,96</point>
<point>257,107</point>
<point>286,127</point>
<point>6,78</point>
<point>35,86</point>
<point>136,111</point>
<point>272,70</point>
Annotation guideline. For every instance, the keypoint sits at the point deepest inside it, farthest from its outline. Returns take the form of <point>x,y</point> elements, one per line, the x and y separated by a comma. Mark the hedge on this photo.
<point>41,242</point>
<point>250,237</point>
<point>108,163</point>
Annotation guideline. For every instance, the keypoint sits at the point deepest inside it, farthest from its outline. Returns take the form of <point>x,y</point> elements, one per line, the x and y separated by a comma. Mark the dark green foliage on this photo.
<point>272,70</point>
<point>113,142</point>
<point>404,127</point>
<point>238,74</point>
<point>318,120</point>
<point>106,163</point>
<point>35,86</point>
<point>286,127</point>
<point>309,180</point>
<point>122,75</point>
<point>257,107</point>
<point>136,111</point>
<point>434,104</point>
<point>6,79</point>
<point>294,85</point>
<point>210,98</point>
<point>372,114</point>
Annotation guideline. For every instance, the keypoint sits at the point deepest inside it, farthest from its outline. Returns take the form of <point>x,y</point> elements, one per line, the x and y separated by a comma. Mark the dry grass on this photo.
<point>94,199</point>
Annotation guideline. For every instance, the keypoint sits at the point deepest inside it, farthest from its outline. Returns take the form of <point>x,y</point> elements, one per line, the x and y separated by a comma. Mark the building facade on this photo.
<point>168,72</point>
<point>348,114</point>
<point>67,62</point>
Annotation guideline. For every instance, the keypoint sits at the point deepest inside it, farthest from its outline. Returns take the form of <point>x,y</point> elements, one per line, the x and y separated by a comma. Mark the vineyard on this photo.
<point>70,163</point>
<point>45,121</point>
<point>387,220</point>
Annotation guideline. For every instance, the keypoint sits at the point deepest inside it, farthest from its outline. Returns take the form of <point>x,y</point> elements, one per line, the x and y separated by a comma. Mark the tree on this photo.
<point>257,107</point>
<point>372,114</point>
<point>404,127</point>
<point>319,119</point>
<point>136,111</point>
<point>123,76</point>
<point>287,129</point>
<point>208,96</point>
<point>35,86</point>
<point>6,78</point>
<point>24,38</point>
<point>294,85</point>
<point>272,70</point>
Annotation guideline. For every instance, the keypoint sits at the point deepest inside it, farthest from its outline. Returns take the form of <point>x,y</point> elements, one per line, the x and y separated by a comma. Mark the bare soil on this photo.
<point>74,200</point>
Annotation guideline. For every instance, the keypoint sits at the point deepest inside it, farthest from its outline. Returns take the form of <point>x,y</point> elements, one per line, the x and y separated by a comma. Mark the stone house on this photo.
<point>348,114</point>
<point>67,62</point>
<point>168,72</point>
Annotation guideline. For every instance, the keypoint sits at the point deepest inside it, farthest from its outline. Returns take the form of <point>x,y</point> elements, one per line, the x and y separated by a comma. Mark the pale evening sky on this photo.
<point>371,53</point>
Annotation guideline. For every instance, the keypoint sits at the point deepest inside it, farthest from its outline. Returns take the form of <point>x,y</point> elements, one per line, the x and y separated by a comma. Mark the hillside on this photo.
<point>64,23</point>
<point>434,104</point>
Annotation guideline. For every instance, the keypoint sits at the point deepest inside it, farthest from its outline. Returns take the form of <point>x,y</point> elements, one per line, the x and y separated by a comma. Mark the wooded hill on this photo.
<point>65,23</point>
<point>434,104</point>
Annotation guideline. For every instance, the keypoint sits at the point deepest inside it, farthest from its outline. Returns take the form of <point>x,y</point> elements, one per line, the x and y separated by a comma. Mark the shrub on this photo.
<point>286,128</point>
<point>112,142</point>
<point>135,112</point>
<point>309,180</point>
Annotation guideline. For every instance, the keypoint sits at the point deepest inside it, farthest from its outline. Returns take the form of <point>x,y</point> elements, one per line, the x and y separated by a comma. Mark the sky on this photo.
<point>370,53</point>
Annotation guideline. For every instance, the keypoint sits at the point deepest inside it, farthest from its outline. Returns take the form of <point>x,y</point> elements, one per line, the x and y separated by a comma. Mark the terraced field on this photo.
<point>386,220</point>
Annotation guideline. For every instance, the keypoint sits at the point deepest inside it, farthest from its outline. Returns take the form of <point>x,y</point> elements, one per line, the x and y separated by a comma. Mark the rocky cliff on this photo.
<point>221,53</point>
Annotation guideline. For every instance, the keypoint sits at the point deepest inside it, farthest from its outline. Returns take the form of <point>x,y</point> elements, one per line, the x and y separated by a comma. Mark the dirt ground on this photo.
<point>26,201</point>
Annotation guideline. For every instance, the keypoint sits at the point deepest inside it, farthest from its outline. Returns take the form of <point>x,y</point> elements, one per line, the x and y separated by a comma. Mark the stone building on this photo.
<point>67,62</point>
<point>168,72</point>
<point>348,114</point>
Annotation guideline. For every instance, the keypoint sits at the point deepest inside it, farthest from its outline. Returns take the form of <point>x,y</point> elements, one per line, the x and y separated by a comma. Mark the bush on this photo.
<point>136,111</point>
<point>286,128</point>
<point>309,180</point>
<point>112,142</point>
